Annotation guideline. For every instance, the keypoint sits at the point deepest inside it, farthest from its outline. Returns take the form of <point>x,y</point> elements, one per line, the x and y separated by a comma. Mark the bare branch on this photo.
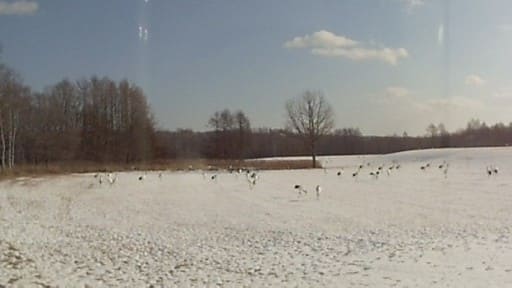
<point>311,117</point>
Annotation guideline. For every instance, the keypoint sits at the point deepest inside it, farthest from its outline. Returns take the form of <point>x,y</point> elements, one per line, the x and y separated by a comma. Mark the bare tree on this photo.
<point>13,100</point>
<point>231,135</point>
<point>441,129</point>
<point>474,124</point>
<point>311,117</point>
<point>432,130</point>
<point>222,122</point>
<point>117,124</point>
<point>243,125</point>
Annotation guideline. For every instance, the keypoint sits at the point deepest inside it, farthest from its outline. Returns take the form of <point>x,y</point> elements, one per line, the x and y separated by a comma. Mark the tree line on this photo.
<point>94,119</point>
<point>277,142</point>
<point>105,121</point>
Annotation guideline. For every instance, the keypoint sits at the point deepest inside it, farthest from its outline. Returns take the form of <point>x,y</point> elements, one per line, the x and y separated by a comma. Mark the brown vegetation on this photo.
<point>62,168</point>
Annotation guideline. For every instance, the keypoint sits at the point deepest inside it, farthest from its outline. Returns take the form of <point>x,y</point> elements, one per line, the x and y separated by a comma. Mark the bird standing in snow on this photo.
<point>300,189</point>
<point>111,178</point>
<point>318,190</point>
<point>252,178</point>
<point>445,171</point>
<point>492,170</point>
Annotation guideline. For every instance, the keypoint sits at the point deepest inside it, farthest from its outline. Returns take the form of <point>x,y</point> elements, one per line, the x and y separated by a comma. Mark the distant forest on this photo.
<point>103,121</point>
<point>263,142</point>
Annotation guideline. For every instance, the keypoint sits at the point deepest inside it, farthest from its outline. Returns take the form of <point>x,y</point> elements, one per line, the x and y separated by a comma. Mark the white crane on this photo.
<point>112,178</point>
<point>318,190</point>
<point>300,189</point>
<point>445,171</point>
<point>489,170</point>
<point>252,178</point>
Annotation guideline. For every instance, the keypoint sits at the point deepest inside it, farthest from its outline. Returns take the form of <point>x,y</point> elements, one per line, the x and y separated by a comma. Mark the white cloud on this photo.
<point>474,80</point>
<point>399,109</point>
<point>397,92</point>
<point>412,4</point>
<point>503,96</point>
<point>402,110</point>
<point>453,105</point>
<point>325,43</point>
<point>21,7</point>
<point>387,55</point>
<point>320,39</point>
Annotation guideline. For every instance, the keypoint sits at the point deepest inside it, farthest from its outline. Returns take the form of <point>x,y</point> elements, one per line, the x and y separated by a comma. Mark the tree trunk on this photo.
<point>2,136</point>
<point>313,153</point>
<point>13,140</point>
<point>9,141</point>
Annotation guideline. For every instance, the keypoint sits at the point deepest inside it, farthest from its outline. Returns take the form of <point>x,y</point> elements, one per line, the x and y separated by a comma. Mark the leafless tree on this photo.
<point>14,99</point>
<point>432,130</point>
<point>311,117</point>
<point>243,125</point>
<point>117,125</point>
<point>222,123</point>
<point>231,133</point>
<point>475,124</point>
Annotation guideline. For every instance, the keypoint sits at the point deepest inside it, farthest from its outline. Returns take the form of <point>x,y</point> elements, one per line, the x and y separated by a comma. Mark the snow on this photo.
<point>412,228</point>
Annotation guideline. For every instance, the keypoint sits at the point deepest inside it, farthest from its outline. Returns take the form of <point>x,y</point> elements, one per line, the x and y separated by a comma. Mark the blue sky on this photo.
<point>386,66</point>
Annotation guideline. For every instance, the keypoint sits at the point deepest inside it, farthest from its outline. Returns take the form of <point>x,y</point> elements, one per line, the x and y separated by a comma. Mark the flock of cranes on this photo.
<point>394,166</point>
<point>380,170</point>
<point>443,166</point>
<point>252,176</point>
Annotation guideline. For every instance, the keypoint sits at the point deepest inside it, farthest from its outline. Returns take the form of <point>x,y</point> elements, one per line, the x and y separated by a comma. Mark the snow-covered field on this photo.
<point>412,228</point>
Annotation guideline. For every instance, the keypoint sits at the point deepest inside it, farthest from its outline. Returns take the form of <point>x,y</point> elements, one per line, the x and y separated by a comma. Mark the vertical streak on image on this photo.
<point>143,37</point>
<point>443,37</point>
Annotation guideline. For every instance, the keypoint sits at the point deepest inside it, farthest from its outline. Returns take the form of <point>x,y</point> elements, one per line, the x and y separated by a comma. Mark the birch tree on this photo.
<point>14,98</point>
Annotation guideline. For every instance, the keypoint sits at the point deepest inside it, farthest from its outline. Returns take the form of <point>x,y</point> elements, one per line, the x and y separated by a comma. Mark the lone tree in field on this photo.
<point>311,117</point>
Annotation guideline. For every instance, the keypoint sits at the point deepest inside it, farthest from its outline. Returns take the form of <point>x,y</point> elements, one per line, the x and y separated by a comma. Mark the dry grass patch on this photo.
<point>171,165</point>
<point>282,164</point>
